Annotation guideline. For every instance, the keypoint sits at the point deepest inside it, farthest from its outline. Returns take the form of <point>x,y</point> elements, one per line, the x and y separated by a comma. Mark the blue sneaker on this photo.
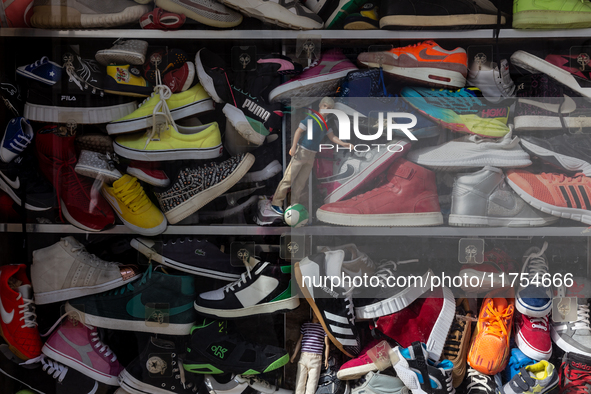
<point>43,70</point>
<point>517,361</point>
<point>17,137</point>
<point>534,300</point>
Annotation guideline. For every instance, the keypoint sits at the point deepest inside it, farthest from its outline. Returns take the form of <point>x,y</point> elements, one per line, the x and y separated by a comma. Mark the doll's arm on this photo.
<point>297,348</point>
<point>335,140</point>
<point>326,351</point>
<point>296,139</point>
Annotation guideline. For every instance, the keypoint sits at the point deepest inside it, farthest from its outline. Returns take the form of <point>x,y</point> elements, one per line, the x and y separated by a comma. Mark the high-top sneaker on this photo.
<point>362,364</point>
<point>479,383</point>
<point>79,346</point>
<point>333,307</point>
<point>574,336</point>
<point>532,336</point>
<point>79,203</point>
<point>408,198</point>
<point>19,326</point>
<point>158,368</point>
<point>494,81</point>
<point>575,376</point>
<point>533,299</point>
<point>458,341</point>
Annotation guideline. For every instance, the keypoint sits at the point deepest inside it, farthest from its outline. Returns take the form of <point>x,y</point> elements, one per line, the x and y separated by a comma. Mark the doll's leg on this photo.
<point>284,185</point>
<point>314,367</point>
<point>301,375</point>
<point>300,179</point>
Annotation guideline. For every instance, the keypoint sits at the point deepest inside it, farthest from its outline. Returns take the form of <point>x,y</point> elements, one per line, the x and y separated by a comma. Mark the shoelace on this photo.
<point>18,145</point>
<point>239,282</point>
<point>53,368</point>
<point>452,345</point>
<point>179,373</point>
<point>81,82</point>
<point>448,381</point>
<point>39,62</point>
<point>387,269</point>
<point>348,294</point>
<point>582,322</point>
<point>161,108</point>
<point>132,194</point>
<point>109,160</point>
<point>102,348</point>
<point>578,381</point>
<point>536,263</point>
<point>540,322</point>
<point>479,381</point>
<point>496,322</point>
<point>27,309</point>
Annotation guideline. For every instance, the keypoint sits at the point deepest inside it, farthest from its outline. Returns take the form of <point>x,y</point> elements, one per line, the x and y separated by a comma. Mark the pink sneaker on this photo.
<point>532,336</point>
<point>357,367</point>
<point>78,346</point>
<point>149,172</point>
<point>321,79</point>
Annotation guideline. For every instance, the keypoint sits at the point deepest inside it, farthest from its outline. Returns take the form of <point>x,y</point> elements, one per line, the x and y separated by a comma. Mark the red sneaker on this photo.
<point>532,336</point>
<point>18,325</point>
<point>409,198</point>
<point>80,204</point>
<point>180,79</point>
<point>149,172</point>
<point>358,367</point>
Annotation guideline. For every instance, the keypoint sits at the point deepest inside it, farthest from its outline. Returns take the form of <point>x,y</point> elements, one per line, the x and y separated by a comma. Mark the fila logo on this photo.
<point>257,110</point>
<point>68,98</point>
<point>582,366</point>
<point>494,113</point>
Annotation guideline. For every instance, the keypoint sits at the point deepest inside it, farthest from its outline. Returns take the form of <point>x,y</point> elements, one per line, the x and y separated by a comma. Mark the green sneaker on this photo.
<point>213,350</point>
<point>551,14</point>
<point>342,8</point>
<point>156,303</point>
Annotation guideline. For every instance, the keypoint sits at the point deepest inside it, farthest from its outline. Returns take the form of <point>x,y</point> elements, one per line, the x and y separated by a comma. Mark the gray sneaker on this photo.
<point>574,336</point>
<point>289,14</point>
<point>537,378</point>
<point>124,52</point>
<point>379,383</point>
<point>483,198</point>
<point>65,270</point>
<point>98,166</point>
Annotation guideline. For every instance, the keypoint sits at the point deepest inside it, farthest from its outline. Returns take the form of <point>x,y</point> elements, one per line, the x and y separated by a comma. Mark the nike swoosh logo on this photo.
<point>343,175</point>
<point>568,106</point>
<point>6,317</point>
<point>285,65</point>
<point>137,309</point>
<point>424,55</point>
<point>508,204</point>
<point>13,184</point>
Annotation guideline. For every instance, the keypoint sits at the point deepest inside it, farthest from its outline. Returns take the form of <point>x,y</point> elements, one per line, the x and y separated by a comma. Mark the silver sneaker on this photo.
<point>495,82</point>
<point>98,166</point>
<point>124,52</point>
<point>483,198</point>
<point>574,336</point>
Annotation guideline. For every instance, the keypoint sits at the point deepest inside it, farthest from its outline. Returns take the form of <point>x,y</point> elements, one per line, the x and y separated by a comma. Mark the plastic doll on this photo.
<point>312,341</point>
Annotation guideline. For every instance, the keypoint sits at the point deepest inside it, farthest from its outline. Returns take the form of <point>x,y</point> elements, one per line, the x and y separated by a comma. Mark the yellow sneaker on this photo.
<point>126,80</point>
<point>182,105</point>
<point>134,208</point>
<point>186,143</point>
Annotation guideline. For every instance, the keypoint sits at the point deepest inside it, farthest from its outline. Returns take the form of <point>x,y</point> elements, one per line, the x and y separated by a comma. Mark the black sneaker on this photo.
<point>214,351</point>
<point>214,75</point>
<point>479,383</point>
<point>158,369</point>
<point>333,307</point>
<point>574,374</point>
<point>263,289</point>
<point>189,255</point>
<point>193,188</point>
<point>571,152</point>
<point>328,383</point>
<point>242,385</point>
<point>439,14</point>
<point>11,95</point>
<point>268,162</point>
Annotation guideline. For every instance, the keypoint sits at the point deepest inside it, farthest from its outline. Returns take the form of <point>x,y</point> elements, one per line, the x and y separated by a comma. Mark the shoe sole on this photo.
<point>530,311</point>
<point>546,19</point>
<point>145,122</point>
<point>564,345</point>
<point>432,76</point>
<point>356,372</point>
<point>35,77</point>
<point>272,13</point>
<point>228,212</point>
<point>580,215</point>
<point>92,172</point>
<point>395,303</point>
<point>479,221</point>
<point>168,155</point>
<point>268,172</point>
<point>344,8</point>
<point>408,376</point>
<point>360,25</point>
<point>535,65</point>
<point>155,256</point>
<point>79,366</point>
<point>4,186</point>
<point>381,220</point>
<point>369,174</point>
<point>148,232</point>
<point>267,308</point>
<point>83,115</point>
<point>171,6</point>
<point>108,56</point>
<point>242,125</point>
<point>541,123</point>
<point>199,200</point>
<point>528,350</point>
<point>205,80</point>
<point>133,386</point>
<point>420,21</point>
<point>142,176</point>
<point>489,160</point>
<point>52,17</point>
<point>70,219</point>
<point>562,161</point>
<point>302,92</point>
<point>12,348</point>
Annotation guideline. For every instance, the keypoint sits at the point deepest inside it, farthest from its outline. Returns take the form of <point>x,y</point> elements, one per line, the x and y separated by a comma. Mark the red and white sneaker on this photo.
<point>358,367</point>
<point>158,19</point>
<point>495,277</point>
<point>16,13</point>
<point>180,79</point>
<point>149,172</point>
<point>532,336</point>
<point>321,79</point>
<point>18,325</point>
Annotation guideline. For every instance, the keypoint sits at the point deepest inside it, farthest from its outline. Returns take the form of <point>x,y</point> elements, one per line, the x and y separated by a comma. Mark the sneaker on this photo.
<point>536,378</point>
<point>19,326</point>
<point>356,263</point>
<point>496,277</point>
<point>79,347</point>
<point>210,13</point>
<point>472,151</point>
<point>43,70</point>
<point>16,138</point>
<point>333,307</point>
<point>335,14</point>
<point>489,349</point>
<point>133,207</point>
<point>246,297</point>
<point>569,14</point>
<point>98,166</point>
<point>158,368</point>
<point>517,361</point>
<point>180,79</point>
<point>494,81</point>
<point>214,75</point>
<point>320,79</point>
<point>81,14</point>
<point>566,151</point>
<point>193,188</point>
<point>479,383</point>
<point>149,172</point>
<point>168,60</point>
<point>171,143</point>
<point>289,15</point>
<point>574,374</point>
<point>362,364</point>
<point>556,194</point>
<point>197,257</point>
<point>419,373</point>
<point>16,13</point>
<point>462,110</point>
<point>158,19</point>
<point>575,336</point>
<point>240,384</point>
<point>453,14</point>
<point>533,299</point>
<point>80,205</point>
<point>483,198</point>
<point>95,142</point>
<point>367,18</point>
<point>126,80</point>
<point>268,162</point>
<point>430,64</point>
<point>51,265</point>
<point>390,204</point>
<point>213,350</point>
<point>458,341</point>
<point>124,52</point>
<point>379,383</point>
<point>182,105</point>
<point>12,96</point>
<point>156,303</point>
<point>532,336</point>
<point>267,215</point>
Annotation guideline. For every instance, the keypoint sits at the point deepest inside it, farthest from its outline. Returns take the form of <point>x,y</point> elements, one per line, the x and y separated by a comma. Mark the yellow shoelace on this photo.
<point>132,195</point>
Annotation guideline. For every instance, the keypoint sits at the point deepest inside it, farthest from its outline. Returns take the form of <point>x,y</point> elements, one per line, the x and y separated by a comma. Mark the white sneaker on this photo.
<point>289,14</point>
<point>242,384</point>
<point>266,215</point>
<point>494,82</point>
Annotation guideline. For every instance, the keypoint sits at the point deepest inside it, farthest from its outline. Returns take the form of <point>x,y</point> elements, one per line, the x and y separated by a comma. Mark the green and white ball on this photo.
<point>296,215</point>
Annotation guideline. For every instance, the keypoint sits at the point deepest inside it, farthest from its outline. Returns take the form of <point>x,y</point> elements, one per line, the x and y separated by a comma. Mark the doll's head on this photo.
<point>326,103</point>
<point>315,318</point>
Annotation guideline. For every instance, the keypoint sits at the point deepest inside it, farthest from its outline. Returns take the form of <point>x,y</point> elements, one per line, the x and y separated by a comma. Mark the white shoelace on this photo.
<point>98,344</point>
<point>53,368</point>
<point>582,322</point>
<point>539,322</point>
<point>480,381</point>
<point>243,277</point>
<point>348,294</point>
<point>74,77</point>
<point>161,108</point>
<point>27,309</point>
<point>387,269</point>
<point>536,264</point>
<point>20,146</point>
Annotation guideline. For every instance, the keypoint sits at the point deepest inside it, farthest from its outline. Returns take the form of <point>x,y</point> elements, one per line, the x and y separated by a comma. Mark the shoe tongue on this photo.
<point>26,291</point>
<point>504,70</point>
<point>500,304</point>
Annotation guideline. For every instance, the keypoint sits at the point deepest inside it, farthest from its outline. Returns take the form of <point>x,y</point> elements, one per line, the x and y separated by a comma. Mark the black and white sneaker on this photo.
<point>570,152</point>
<point>479,383</point>
<point>333,307</point>
<point>158,369</point>
<point>289,14</point>
<point>214,75</point>
<point>242,385</point>
<point>329,383</point>
<point>268,163</point>
<point>263,289</point>
<point>212,350</point>
<point>197,257</point>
